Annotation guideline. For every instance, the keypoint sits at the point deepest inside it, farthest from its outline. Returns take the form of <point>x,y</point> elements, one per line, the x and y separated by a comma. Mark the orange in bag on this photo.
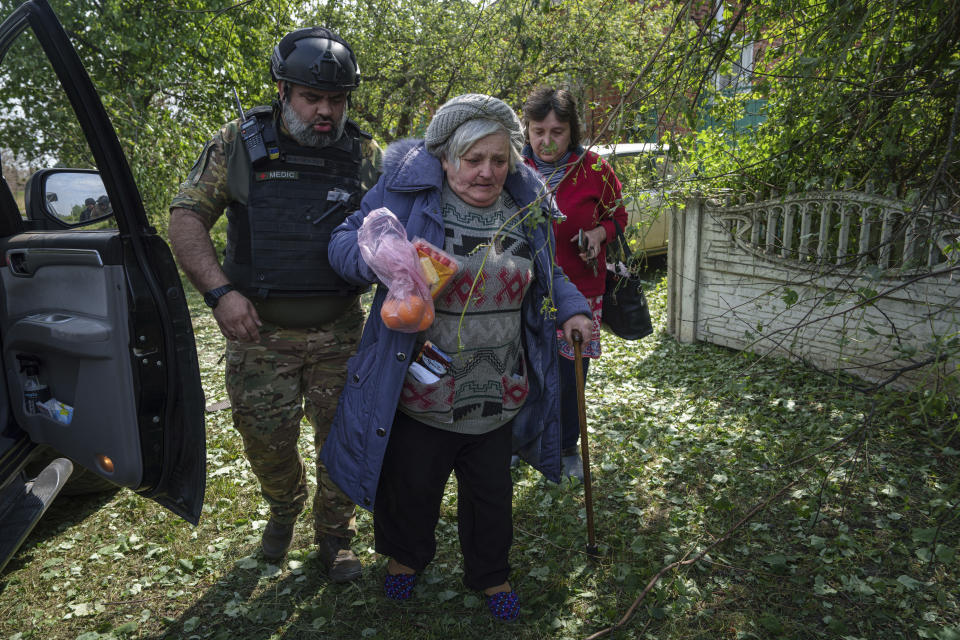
<point>427,319</point>
<point>404,314</point>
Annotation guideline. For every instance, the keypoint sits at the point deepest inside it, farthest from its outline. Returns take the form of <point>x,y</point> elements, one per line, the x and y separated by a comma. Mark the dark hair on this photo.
<point>543,100</point>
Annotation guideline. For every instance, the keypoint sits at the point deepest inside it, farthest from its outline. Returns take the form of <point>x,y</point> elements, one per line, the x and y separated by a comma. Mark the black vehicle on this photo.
<point>99,360</point>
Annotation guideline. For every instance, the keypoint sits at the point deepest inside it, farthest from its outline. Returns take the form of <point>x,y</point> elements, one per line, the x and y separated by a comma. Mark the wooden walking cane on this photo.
<point>584,448</point>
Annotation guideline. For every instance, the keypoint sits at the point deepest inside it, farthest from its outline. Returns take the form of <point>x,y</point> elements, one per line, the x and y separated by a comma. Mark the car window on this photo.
<point>641,172</point>
<point>40,131</point>
<point>15,174</point>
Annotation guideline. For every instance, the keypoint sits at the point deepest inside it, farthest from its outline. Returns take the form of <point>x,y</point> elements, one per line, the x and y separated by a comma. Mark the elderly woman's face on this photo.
<point>483,170</point>
<point>549,138</point>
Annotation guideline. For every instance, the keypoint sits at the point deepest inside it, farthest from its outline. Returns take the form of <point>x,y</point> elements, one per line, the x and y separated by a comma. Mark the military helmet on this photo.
<point>315,57</point>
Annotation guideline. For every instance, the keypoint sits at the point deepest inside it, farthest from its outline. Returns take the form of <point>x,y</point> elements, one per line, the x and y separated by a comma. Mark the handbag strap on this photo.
<point>624,248</point>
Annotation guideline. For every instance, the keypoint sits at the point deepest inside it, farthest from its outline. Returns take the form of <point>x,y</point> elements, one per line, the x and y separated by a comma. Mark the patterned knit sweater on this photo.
<point>478,322</point>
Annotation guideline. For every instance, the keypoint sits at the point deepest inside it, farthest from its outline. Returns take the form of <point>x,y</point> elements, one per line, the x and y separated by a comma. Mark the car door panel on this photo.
<point>71,317</point>
<point>104,314</point>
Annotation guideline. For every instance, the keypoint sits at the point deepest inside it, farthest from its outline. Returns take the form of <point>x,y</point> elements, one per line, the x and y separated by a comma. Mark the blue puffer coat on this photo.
<point>411,188</point>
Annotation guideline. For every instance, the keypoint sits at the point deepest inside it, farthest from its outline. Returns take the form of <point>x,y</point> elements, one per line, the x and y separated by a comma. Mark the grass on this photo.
<point>685,439</point>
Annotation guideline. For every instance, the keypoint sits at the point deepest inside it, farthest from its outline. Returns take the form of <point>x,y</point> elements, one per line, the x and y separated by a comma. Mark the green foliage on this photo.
<point>165,70</point>
<point>865,91</point>
<point>858,91</point>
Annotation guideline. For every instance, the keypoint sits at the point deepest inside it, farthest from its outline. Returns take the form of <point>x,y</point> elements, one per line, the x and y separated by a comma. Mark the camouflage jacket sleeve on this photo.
<point>209,188</point>
<point>371,166</point>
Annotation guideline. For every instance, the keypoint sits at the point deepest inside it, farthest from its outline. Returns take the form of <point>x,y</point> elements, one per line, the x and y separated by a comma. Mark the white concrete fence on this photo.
<point>842,280</point>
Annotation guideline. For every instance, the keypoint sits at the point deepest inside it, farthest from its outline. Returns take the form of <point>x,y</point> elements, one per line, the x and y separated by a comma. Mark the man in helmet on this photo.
<point>103,207</point>
<point>89,205</point>
<point>286,181</point>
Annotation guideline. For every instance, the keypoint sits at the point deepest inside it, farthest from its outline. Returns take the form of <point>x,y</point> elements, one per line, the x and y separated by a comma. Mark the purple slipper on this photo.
<point>400,586</point>
<point>504,605</point>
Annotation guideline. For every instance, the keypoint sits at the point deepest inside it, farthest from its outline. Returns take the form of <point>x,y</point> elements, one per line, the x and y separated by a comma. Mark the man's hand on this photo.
<point>237,318</point>
<point>581,323</point>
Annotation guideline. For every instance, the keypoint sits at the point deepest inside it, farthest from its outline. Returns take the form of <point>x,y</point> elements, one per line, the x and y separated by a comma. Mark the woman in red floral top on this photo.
<point>588,193</point>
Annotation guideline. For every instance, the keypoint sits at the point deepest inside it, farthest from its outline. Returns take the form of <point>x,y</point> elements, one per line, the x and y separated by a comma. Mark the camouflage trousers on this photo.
<point>272,385</point>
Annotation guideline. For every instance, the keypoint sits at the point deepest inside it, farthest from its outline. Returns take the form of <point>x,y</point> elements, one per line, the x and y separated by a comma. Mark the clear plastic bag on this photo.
<point>383,243</point>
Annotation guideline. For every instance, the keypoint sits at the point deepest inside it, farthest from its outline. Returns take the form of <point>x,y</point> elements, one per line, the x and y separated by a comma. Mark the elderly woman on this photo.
<point>395,439</point>
<point>588,193</point>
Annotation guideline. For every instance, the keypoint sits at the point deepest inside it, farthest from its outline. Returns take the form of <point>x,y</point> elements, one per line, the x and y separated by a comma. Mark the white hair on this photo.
<point>468,133</point>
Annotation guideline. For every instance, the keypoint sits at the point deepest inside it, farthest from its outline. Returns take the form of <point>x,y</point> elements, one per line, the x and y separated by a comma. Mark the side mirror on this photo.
<point>67,197</point>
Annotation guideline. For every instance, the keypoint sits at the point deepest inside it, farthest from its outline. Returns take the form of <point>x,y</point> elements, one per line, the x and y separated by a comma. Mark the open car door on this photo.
<point>98,351</point>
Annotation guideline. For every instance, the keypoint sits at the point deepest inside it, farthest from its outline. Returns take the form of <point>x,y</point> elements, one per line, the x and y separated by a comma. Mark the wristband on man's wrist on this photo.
<point>212,297</point>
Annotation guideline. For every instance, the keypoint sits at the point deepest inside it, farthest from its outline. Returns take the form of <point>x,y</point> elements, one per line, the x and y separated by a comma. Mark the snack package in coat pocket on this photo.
<point>383,243</point>
<point>439,267</point>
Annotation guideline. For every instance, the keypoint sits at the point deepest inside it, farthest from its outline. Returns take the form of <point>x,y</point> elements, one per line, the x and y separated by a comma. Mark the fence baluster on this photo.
<point>788,218</point>
<point>886,234</point>
<point>910,241</point>
<point>824,240</point>
<point>770,245</point>
<point>844,239</point>
<point>806,223</point>
<point>934,253</point>
<point>866,226</point>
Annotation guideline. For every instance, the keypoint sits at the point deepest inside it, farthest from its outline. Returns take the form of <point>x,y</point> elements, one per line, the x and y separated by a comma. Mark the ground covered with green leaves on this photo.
<point>858,537</point>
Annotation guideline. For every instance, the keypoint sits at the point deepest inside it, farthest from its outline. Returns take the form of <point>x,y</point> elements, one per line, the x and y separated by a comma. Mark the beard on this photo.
<point>303,132</point>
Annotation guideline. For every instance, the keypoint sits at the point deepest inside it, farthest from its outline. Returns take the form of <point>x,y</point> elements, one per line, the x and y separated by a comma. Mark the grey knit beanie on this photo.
<point>468,106</point>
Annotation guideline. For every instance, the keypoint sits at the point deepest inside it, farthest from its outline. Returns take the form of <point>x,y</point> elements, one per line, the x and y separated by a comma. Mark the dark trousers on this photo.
<point>415,469</point>
<point>569,410</point>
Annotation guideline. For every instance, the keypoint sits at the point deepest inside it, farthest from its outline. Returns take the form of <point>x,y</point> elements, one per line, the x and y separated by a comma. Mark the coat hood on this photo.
<point>394,154</point>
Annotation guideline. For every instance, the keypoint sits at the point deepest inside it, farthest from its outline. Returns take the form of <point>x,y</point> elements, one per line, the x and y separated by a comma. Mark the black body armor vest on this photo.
<point>277,244</point>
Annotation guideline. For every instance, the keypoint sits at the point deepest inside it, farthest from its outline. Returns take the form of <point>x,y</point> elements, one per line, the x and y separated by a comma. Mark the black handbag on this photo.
<point>625,310</point>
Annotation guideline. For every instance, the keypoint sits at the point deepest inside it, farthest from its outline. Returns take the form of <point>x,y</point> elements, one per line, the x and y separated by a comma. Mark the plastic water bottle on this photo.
<point>33,391</point>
